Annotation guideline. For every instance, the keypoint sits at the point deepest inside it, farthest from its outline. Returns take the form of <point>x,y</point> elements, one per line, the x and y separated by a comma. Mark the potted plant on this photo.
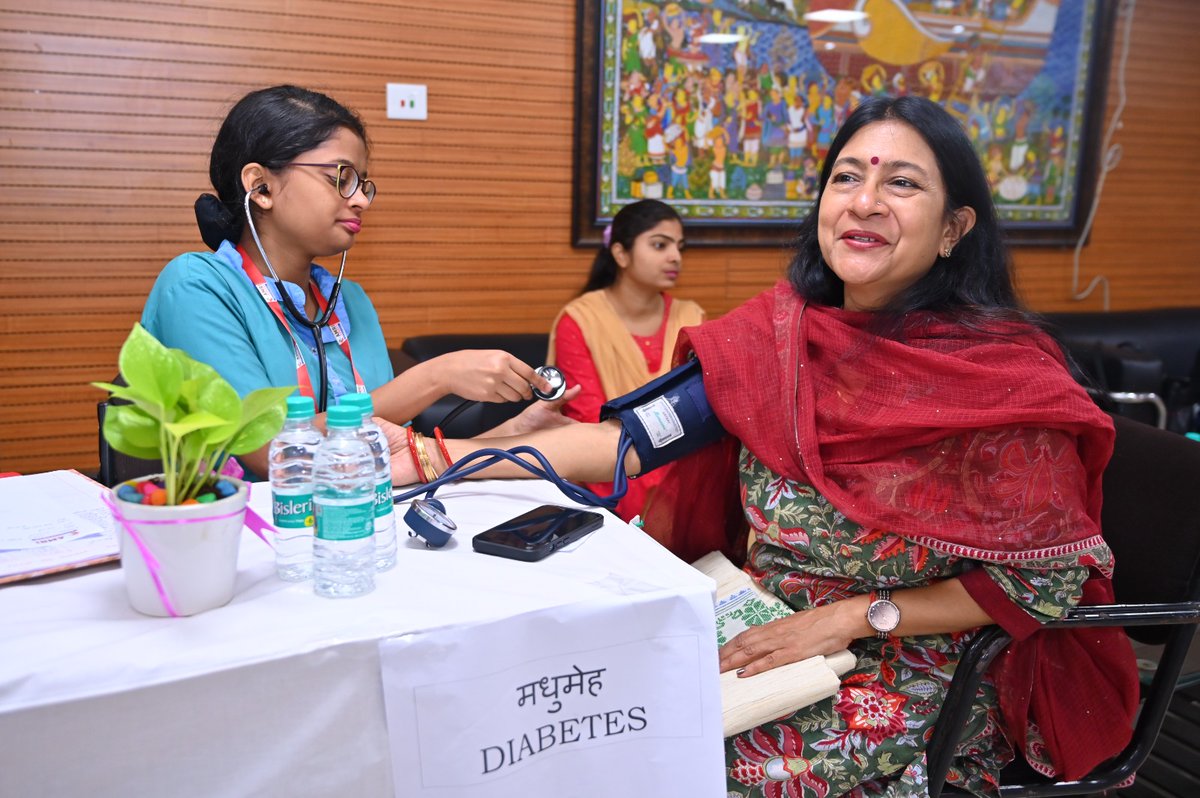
<point>179,530</point>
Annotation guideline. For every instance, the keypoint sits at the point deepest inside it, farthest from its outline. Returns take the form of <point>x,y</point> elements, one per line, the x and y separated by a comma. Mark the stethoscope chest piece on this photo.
<point>558,383</point>
<point>427,519</point>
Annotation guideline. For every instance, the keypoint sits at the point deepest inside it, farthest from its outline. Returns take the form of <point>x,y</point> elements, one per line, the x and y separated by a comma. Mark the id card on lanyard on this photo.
<point>335,326</point>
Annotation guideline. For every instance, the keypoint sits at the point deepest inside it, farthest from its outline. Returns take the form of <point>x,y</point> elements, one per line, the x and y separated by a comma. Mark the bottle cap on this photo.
<point>362,401</point>
<point>343,417</point>
<point>299,407</point>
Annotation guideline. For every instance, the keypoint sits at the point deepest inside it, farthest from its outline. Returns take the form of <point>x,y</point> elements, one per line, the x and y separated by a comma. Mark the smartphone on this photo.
<point>538,533</point>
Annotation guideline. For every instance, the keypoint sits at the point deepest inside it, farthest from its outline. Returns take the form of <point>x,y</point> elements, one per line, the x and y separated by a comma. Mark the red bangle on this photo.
<point>441,442</point>
<point>412,450</point>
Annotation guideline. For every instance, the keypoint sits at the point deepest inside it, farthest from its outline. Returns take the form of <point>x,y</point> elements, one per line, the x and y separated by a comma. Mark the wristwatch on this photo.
<point>882,613</point>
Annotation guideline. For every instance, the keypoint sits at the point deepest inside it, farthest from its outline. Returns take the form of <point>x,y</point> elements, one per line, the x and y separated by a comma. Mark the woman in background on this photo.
<point>620,332</point>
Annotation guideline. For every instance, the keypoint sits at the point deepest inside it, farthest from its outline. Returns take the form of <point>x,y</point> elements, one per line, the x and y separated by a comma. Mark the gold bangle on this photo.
<point>426,463</point>
<point>433,474</point>
<point>422,456</point>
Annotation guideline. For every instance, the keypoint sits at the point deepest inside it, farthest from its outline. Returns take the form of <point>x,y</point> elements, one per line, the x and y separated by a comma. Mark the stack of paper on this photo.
<point>750,701</point>
<point>52,522</point>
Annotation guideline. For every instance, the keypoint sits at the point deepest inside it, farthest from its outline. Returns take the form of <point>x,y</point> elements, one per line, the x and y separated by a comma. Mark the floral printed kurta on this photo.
<point>869,739</point>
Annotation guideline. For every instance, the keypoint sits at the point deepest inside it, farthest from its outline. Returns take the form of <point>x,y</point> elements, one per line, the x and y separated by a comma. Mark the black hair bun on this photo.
<point>216,222</point>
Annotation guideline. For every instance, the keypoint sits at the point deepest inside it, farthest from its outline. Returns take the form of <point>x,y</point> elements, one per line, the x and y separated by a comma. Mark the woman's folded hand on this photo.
<point>808,633</point>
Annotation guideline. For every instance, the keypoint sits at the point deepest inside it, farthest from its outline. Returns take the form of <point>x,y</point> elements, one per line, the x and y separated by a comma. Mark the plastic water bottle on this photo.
<point>385,513</point>
<point>344,501</point>
<point>290,460</point>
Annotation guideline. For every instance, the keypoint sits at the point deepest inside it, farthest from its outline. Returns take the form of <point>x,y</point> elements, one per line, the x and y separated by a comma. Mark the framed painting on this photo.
<point>726,108</point>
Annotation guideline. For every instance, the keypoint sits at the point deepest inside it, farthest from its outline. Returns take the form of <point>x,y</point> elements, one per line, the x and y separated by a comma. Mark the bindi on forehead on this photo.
<point>874,160</point>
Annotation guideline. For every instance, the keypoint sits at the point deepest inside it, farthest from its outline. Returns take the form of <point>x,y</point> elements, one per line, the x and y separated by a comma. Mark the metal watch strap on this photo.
<point>880,594</point>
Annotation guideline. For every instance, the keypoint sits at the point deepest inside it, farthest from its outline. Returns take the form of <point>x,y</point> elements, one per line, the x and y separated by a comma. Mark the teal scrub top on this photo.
<point>204,304</point>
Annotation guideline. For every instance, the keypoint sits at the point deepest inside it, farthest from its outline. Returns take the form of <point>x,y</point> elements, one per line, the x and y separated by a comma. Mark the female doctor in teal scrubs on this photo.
<point>294,163</point>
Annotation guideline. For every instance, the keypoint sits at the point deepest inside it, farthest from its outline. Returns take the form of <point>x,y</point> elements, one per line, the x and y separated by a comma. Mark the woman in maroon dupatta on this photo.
<point>914,461</point>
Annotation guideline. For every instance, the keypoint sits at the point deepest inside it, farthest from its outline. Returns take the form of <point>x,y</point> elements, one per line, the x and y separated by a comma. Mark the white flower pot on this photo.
<point>195,547</point>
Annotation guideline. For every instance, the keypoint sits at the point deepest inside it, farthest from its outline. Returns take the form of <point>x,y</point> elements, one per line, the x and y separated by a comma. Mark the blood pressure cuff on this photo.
<point>668,417</point>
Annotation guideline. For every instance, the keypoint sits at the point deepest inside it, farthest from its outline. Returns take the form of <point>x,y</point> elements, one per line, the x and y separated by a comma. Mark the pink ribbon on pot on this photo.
<point>253,520</point>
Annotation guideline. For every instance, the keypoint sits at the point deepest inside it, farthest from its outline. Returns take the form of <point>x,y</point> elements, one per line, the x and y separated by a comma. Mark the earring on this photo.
<point>946,252</point>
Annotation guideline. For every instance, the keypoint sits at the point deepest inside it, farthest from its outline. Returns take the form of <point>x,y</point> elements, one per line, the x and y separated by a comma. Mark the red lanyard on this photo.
<point>335,326</point>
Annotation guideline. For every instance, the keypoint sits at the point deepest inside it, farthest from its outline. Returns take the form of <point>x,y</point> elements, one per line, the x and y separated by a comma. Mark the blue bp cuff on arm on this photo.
<point>667,418</point>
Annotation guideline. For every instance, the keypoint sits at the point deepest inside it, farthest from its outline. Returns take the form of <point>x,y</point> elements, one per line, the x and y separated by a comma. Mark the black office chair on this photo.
<point>114,466</point>
<point>1151,519</point>
<point>483,416</point>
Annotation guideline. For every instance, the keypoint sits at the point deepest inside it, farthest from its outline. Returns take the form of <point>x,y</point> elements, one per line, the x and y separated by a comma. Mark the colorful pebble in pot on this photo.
<point>153,493</point>
<point>128,493</point>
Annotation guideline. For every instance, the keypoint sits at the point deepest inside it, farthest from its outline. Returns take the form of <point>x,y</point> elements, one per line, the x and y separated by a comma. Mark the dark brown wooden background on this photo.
<point>108,109</point>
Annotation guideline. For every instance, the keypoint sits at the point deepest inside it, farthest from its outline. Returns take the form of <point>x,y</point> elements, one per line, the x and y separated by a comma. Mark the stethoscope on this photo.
<point>314,325</point>
<point>426,517</point>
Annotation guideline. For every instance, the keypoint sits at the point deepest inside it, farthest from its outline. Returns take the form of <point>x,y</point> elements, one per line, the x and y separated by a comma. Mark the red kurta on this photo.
<point>574,359</point>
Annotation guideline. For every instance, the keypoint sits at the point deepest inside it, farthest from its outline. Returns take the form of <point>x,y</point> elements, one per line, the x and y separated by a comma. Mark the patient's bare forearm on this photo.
<point>579,452</point>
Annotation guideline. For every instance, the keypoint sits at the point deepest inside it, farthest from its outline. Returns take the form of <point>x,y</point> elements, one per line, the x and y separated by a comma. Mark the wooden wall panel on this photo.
<point>108,109</point>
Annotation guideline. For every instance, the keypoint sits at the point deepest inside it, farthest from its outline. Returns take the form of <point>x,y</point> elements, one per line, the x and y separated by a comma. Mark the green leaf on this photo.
<point>214,395</point>
<point>117,433</point>
<point>192,422</point>
<point>188,390</point>
<point>123,392</point>
<point>264,400</point>
<point>150,368</point>
<point>219,398</point>
<point>137,426</point>
<point>195,370</point>
<point>263,414</point>
<point>196,376</point>
<point>149,405</point>
<point>258,432</point>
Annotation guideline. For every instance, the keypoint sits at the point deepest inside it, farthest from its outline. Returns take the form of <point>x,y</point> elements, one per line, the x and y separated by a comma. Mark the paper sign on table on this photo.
<point>583,700</point>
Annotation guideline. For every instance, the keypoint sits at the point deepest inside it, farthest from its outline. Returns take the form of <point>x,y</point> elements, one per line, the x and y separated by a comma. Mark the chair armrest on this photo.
<point>973,664</point>
<point>991,640</point>
<point>1136,398</point>
<point>1128,615</point>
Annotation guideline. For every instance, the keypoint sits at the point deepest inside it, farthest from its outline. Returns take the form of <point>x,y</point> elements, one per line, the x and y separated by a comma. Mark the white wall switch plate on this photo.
<point>406,101</point>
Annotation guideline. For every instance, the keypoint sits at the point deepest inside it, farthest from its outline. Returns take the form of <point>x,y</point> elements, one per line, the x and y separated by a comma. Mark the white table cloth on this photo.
<point>279,692</point>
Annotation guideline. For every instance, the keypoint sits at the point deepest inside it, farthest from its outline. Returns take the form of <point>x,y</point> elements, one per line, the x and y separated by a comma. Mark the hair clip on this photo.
<point>607,236</point>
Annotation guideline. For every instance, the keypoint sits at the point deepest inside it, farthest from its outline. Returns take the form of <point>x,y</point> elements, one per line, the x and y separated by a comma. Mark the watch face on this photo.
<point>884,616</point>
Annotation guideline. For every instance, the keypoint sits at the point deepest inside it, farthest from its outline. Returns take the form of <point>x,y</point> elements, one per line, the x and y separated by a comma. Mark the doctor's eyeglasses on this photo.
<point>348,180</point>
